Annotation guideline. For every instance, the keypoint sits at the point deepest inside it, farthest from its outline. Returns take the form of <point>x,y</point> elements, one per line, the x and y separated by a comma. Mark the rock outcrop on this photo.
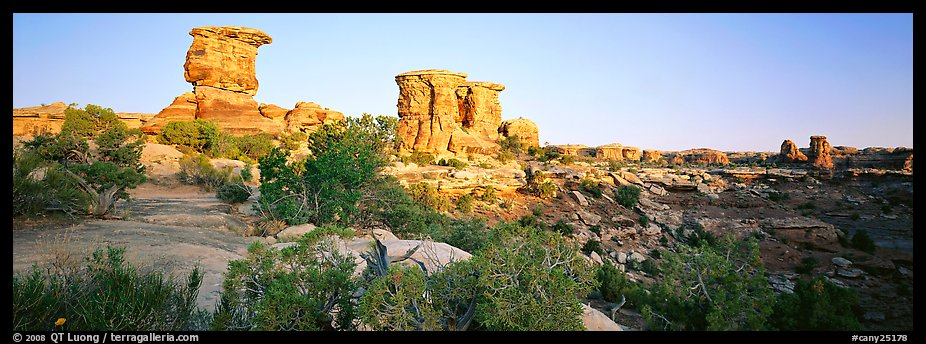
<point>611,151</point>
<point>428,109</point>
<point>524,128</point>
<point>49,118</point>
<point>236,113</point>
<point>632,153</point>
<point>652,156</point>
<point>224,57</point>
<point>699,156</point>
<point>576,150</point>
<point>479,109</point>
<point>441,113</point>
<point>221,66</point>
<point>819,154</point>
<point>790,153</point>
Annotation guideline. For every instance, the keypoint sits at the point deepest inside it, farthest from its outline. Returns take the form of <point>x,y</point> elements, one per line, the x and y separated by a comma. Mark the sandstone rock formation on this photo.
<point>428,109</point>
<point>570,149</point>
<point>611,151</point>
<point>652,156</point>
<point>223,57</point>
<point>632,153</point>
<point>700,156</point>
<point>524,128</point>
<point>272,111</point>
<point>819,154</point>
<point>440,112</point>
<point>49,118</point>
<point>221,66</point>
<point>790,153</point>
<point>479,109</point>
<point>308,117</point>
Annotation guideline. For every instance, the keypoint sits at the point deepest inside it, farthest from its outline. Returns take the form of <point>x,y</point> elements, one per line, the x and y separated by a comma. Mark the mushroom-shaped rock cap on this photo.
<point>490,85</point>
<point>248,35</point>
<point>431,72</point>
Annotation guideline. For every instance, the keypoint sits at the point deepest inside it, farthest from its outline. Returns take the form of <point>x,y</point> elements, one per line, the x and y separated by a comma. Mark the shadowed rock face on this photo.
<point>223,57</point>
<point>234,112</point>
<point>790,153</point>
<point>819,154</point>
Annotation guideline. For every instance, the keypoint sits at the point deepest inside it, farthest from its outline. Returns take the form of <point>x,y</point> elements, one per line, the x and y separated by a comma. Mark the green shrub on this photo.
<point>198,170</point>
<point>563,227</point>
<point>467,235</point>
<point>855,217</point>
<point>252,146</point>
<point>592,245</point>
<point>649,266</point>
<point>531,280</point>
<point>807,265</point>
<point>698,236</point>
<point>428,196</point>
<point>816,305</point>
<point>512,144</point>
<point>452,162</point>
<point>590,187</point>
<point>107,294</point>
<point>294,140</point>
<point>538,186</point>
<point>712,287</point>
<point>489,194</point>
<point>303,287</point>
<point>465,203</point>
<point>612,282</point>
<point>614,165</point>
<point>887,209</point>
<point>595,229</point>
<point>549,154</point>
<point>55,191</point>
<point>809,205</point>
<point>198,134</point>
<point>328,186</point>
<point>419,158</point>
<point>233,193</point>
<point>862,241</point>
<point>105,174</point>
<point>776,196</point>
<point>567,159</point>
<point>627,196</point>
<point>535,151</point>
<point>246,174</point>
<point>643,220</point>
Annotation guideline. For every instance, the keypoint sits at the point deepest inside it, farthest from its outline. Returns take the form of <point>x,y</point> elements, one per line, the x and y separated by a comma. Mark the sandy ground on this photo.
<point>168,230</point>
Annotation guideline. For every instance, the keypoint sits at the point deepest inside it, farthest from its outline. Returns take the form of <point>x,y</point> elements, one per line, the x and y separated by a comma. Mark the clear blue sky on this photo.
<point>655,81</point>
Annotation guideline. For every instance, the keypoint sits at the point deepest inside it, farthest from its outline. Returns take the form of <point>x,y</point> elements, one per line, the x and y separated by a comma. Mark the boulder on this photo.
<point>589,218</point>
<point>594,320</point>
<point>580,198</point>
<point>636,257</point>
<point>295,232</point>
<point>524,128</point>
<point>272,111</point>
<point>841,262</point>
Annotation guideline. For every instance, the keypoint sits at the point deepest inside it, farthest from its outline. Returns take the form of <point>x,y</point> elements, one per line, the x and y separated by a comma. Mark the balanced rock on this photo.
<point>223,57</point>
<point>272,111</point>
<point>790,153</point>
<point>524,128</point>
